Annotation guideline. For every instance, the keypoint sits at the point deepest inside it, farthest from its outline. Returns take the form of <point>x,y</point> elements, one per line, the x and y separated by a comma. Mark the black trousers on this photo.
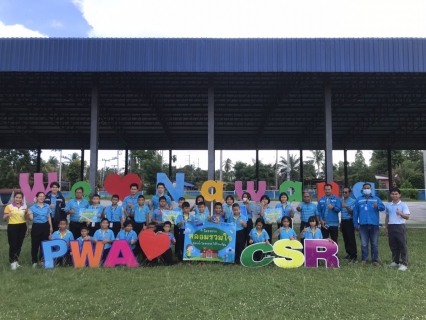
<point>248,229</point>
<point>104,255</point>
<point>348,233</point>
<point>116,227</point>
<point>39,232</point>
<point>180,242</point>
<point>240,242</point>
<point>92,230</point>
<point>398,243</point>
<point>75,228</point>
<point>168,257</point>
<point>176,234</point>
<point>15,237</point>
<point>268,229</point>
<point>331,232</point>
<point>138,227</point>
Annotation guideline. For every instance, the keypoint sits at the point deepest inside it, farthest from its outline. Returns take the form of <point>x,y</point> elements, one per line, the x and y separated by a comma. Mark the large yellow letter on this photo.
<point>284,248</point>
<point>218,193</point>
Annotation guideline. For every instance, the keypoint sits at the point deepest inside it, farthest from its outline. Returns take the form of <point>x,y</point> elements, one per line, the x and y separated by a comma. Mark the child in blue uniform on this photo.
<point>128,234</point>
<point>200,199</point>
<point>104,235</point>
<point>84,236</point>
<point>227,208</point>
<point>115,215</point>
<point>167,256</point>
<point>96,200</point>
<point>311,232</point>
<point>176,227</point>
<point>287,209</point>
<point>249,207</point>
<point>202,216</point>
<point>217,216</point>
<point>240,223</point>
<point>285,232</point>
<point>63,234</point>
<point>157,215</point>
<point>181,222</point>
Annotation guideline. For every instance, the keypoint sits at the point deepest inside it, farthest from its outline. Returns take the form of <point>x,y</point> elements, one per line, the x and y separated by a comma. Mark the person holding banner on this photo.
<point>154,203</point>
<point>181,221</point>
<point>307,209</point>
<point>249,208</point>
<point>217,216</point>
<point>17,227</point>
<point>131,201</point>
<point>203,215</point>
<point>287,209</point>
<point>73,209</point>
<point>96,199</point>
<point>115,215</point>
<point>56,201</point>
<point>264,204</point>
<point>227,208</point>
<point>240,223</point>
<point>200,199</point>
<point>40,214</point>
<point>328,209</point>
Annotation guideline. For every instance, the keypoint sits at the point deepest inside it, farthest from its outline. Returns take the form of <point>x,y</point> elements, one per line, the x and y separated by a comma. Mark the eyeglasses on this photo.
<point>345,191</point>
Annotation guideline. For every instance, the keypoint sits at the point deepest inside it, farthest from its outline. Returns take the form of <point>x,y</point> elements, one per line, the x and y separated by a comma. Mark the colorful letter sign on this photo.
<point>38,186</point>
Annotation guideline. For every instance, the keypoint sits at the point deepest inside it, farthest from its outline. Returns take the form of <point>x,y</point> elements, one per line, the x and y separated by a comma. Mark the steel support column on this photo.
<point>345,167</point>
<point>210,132</point>
<point>126,163</point>
<point>257,169</point>
<point>301,166</point>
<point>328,136</point>
<point>38,165</point>
<point>82,165</point>
<point>389,170</point>
<point>170,164</point>
<point>94,126</point>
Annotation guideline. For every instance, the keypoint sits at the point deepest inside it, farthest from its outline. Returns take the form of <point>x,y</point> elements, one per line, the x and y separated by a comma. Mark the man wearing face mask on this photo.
<point>366,221</point>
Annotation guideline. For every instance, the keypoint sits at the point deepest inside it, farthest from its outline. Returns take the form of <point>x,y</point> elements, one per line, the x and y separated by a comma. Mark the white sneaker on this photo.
<point>394,264</point>
<point>13,265</point>
<point>402,268</point>
<point>17,264</point>
<point>35,265</point>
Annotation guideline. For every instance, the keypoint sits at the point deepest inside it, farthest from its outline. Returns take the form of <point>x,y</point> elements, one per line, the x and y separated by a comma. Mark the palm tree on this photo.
<point>318,158</point>
<point>294,165</point>
<point>227,167</point>
<point>174,158</point>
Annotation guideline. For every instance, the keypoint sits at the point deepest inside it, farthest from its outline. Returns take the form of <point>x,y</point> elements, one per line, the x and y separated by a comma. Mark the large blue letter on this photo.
<point>175,192</point>
<point>50,255</point>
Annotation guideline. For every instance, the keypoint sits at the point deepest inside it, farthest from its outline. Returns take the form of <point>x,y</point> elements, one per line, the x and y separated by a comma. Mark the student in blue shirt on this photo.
<point>311,232</point>
<point>181,222</point>
<point>240,223</point>
<point>96,200</point>
<point>264,204</point>
<point>40,214</point>
<point>202,216</point>
<point>106,236</point>
<point>217,216</point>
<point>227,208</point>
<point>175,226</point>
<point>306,209</point>
<point>63,234</point>
<point>328,209</point>
<point>130,201</point>
<point>84,236</point>
<point>140,214</point>
<point>286,208</point>
<point>73,209</point>
<point>249,207</point>
<point>285,232</point>
<point>128,234</point>
<point>168,256</point>
<point>155,200</point>
<point>157,215</point>
<point>258,235</point>
<point>115,214</point>
<point>200,199</point>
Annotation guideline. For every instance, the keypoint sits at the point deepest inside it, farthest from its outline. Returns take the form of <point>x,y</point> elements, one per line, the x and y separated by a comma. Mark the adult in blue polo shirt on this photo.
<point>307,209</point>
<point>366,220</point>
<point>347,225</point>
<point>73,209</point>
<point>155,200</point>
<point>40,213</point>
<point>56,200</point>
<point>328,209</point>
<point>131,201</point>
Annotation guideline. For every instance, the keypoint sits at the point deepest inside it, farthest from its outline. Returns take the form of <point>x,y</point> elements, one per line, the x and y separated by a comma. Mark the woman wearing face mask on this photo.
<point>250,209</point>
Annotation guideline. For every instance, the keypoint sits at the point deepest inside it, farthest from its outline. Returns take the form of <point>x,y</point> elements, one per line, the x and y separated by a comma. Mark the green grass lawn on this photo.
<point>216,291</point>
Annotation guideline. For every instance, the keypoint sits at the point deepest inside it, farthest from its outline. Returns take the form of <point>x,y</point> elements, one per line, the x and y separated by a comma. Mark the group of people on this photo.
<point>49,215</point>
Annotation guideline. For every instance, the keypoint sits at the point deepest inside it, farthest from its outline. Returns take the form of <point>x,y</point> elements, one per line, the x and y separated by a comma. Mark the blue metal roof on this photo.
<point>213,55</point>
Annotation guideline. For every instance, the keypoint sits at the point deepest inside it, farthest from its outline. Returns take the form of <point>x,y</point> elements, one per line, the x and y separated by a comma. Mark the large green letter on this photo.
<point>297,186</point>
<point>247,255</point>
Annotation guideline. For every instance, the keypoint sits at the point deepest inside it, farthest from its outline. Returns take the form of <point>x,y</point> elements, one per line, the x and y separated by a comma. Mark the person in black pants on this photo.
<point>56,201</point>
<point>347,226</point>
<point>246,198</point>
<point>40,214</point>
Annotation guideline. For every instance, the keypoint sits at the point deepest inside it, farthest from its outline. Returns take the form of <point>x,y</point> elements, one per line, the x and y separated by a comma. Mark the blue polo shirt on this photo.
<point>81,241</point>
<point>128,236</point>
<point>155,201</point>
<point>100,209</point>
<point>286,209</point>
<point>215,218</point>
<point>132,200</point>
<point>228,211</point>
<point>141,213</point>
<point>344,214</point>
<point>330,216</point>
<point>67,237</point>
<point>100,235</point>
<point>237,221</point>
<point>201,218</point>
<point>249,215</point>
<point>172,239</point>
<point>157,215</point>
<point>114,214</point>
<point>40,214</point>
<point>206,210</point>
<point>257,238</point>
<point>312,235</point>
<point>391,212</point>
<point>73,204</point>
<point>258,211</point>
<point>181,217</point>
<point>287,234</point>
<point>307,210</point>
<point>178,209</point>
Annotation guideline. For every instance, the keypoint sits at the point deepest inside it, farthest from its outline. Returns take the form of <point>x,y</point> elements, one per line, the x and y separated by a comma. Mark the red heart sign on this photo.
<point>153,245</point>
<point>115,184</point>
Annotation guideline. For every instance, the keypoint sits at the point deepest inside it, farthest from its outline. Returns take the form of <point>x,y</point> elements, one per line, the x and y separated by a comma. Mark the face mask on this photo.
<point>366,191</point>
<point>244,199</point>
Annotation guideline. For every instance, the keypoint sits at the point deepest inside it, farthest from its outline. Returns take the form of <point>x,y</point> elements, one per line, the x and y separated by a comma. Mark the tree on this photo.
<point>294,167</point>
<point>227,167</point>
<point>379,160</point>
<point>309,171</point>
<point>318,158</point>
<point>12,163</point>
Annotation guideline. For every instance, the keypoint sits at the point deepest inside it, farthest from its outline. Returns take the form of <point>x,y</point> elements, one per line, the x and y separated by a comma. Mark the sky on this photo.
<point>217,19</point>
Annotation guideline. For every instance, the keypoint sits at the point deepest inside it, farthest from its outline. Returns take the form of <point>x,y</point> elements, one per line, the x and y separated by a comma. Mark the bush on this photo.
<point>410,193</point>
<point>383,195</point>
